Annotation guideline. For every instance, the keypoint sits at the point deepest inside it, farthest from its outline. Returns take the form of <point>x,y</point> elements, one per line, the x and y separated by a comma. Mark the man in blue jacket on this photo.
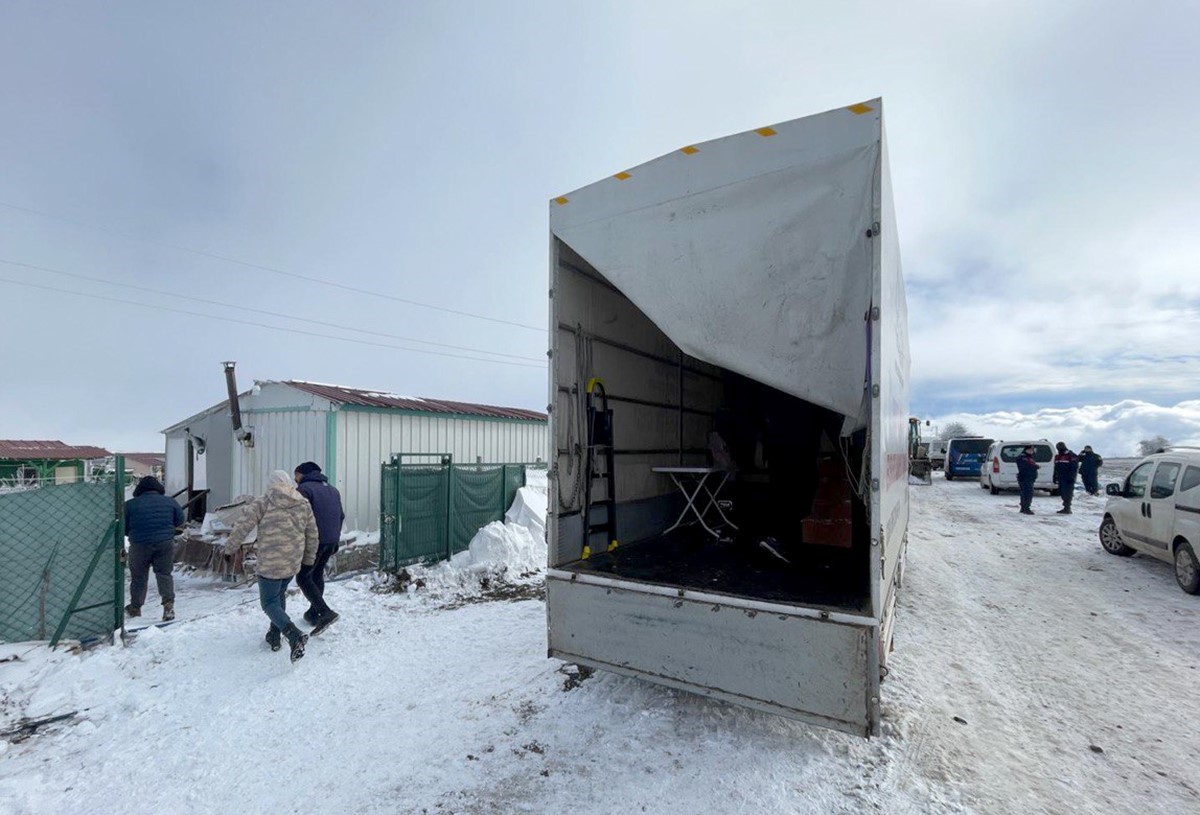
<point>1066,468</point>
<point>327,507</point>
<point>1027,470</point>
<point>151,520</point>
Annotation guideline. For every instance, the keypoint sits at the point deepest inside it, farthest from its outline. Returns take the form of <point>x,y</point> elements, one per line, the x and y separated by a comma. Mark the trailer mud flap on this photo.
<point>791,664</point>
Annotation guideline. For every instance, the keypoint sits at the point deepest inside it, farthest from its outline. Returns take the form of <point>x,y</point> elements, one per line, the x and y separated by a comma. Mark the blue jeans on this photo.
<point>272,595</point>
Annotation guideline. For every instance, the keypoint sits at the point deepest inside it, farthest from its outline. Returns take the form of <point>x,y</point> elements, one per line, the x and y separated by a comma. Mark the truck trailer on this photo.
<point>729,413</point>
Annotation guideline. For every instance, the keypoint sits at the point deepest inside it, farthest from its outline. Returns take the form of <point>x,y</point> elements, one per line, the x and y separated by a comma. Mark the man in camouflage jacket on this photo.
<point>287,539</point>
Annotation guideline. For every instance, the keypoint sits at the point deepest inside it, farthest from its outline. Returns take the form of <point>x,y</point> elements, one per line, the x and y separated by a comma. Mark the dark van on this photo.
<point>965,457</point>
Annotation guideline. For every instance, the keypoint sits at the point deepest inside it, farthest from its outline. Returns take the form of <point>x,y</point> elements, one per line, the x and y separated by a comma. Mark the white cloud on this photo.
<point>1112,430</point>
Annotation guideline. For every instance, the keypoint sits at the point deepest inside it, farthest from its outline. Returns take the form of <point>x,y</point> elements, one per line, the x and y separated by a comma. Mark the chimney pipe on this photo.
<point>235,409</point>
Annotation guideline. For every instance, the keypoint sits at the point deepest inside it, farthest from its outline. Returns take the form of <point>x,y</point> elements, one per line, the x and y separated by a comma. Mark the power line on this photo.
<point>260,311</point>
<point>272,269</point>
<point>262,325</point>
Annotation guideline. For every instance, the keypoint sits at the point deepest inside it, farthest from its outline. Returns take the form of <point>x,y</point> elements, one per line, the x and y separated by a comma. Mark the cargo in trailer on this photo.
<point>729,414</point>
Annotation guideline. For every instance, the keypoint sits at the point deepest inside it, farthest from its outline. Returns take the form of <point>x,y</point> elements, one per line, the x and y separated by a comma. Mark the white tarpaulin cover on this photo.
<point>750,252</point>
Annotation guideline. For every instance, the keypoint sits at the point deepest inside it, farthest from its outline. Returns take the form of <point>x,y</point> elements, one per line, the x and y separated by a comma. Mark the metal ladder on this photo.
<point>599,451</point>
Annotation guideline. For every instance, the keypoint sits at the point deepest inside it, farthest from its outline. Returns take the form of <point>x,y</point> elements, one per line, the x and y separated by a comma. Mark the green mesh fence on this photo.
<point>476,499</point>
<point>432,511</point>
<point>389,513</point>
<point>422,501</point>
<point>62,573</point>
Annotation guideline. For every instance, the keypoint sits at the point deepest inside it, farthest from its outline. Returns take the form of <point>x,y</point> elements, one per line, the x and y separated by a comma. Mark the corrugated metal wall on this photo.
<point>366,439</point>
<point>282,439</point>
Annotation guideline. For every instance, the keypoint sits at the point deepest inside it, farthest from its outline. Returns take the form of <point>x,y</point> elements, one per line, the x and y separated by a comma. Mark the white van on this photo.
<point>937,453</point>
<point>1000,467</point>
<point>1156,511</point>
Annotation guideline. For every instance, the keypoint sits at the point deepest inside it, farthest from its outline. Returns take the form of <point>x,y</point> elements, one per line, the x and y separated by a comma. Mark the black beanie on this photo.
<point>148,484</point>
<point>308,467</point>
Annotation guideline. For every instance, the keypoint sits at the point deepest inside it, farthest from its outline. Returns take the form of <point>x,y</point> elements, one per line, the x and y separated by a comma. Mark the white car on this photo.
<point>1000,467</point>
<point>1156,511</point>
<point>937,453</point>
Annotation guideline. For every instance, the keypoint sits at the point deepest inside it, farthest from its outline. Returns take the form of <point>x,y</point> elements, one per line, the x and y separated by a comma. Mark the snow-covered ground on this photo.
<point>1032,674</point>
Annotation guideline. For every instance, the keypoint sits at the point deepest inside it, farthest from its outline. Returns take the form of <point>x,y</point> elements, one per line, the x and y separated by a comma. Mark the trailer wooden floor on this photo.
<point>822,577</point>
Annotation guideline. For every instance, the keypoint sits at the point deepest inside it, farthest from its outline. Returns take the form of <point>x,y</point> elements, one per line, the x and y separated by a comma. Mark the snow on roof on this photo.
<point>381,399</point>
<point>14,449</point>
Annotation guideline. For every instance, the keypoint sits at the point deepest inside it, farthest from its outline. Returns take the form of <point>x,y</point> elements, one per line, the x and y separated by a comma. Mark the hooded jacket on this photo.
<point>151,517</point>
<point>326,504</point>
<point>287,532</point>
<point>1089,464</point>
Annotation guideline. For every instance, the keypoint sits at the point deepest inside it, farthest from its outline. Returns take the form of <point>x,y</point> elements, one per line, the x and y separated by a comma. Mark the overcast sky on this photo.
<point>1043,155</point>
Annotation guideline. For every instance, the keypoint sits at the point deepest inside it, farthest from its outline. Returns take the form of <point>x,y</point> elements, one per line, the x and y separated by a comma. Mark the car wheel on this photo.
<point>1187,569</point>
<point>1110,539</point>
<point>949,477</point>
<point>995,490</point>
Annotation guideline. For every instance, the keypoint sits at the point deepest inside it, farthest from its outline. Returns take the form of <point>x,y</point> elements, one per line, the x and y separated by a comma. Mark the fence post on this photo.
<point>398,527</point>
<point>450,473</point>
<point>383,524</point>
<point>119,545</point>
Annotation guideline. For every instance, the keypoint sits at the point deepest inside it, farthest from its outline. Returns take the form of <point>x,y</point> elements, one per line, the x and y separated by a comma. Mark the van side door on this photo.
<point>1129,513</point>
<point>1160,508</point>
<point>1187,505</point>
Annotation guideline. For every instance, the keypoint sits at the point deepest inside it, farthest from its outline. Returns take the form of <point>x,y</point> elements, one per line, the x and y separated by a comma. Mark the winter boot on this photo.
<point>296,640</point>
<point>311,616</point>
<point>273,638</point>
<point>168,611</point>
<point>1064,511</point>
<point>324,621</point>
<point>1027,512</point>
<point>132,611</point>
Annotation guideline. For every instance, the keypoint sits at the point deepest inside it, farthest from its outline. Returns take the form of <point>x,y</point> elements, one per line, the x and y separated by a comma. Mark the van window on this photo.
<point>971,446</point>
<point>1191,479</point>
<point>1135,485</point>
<point>1163,485</point>
<point>1011,452</point>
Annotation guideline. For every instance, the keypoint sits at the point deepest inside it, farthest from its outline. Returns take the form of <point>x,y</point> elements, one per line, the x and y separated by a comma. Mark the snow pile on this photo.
<point>529,510</point>
<point>513,551</point>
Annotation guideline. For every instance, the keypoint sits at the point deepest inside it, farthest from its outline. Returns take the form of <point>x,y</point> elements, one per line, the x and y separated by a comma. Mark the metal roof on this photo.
<point>365,398</point>
<point>21,449</point>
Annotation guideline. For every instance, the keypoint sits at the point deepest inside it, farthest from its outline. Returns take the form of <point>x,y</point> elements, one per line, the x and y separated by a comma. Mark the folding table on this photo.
<point>697,479</point>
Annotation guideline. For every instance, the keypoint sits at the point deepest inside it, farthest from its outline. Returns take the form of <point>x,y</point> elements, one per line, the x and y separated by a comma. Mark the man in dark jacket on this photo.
<point>1027,470</point>
<point>151,520</point>
<point>1089,468</point>
<point>327,507</point>
<point>1066,468</point>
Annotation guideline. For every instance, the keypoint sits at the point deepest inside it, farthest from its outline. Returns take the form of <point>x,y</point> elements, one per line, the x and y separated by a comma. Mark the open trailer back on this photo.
<point>729,390</point>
